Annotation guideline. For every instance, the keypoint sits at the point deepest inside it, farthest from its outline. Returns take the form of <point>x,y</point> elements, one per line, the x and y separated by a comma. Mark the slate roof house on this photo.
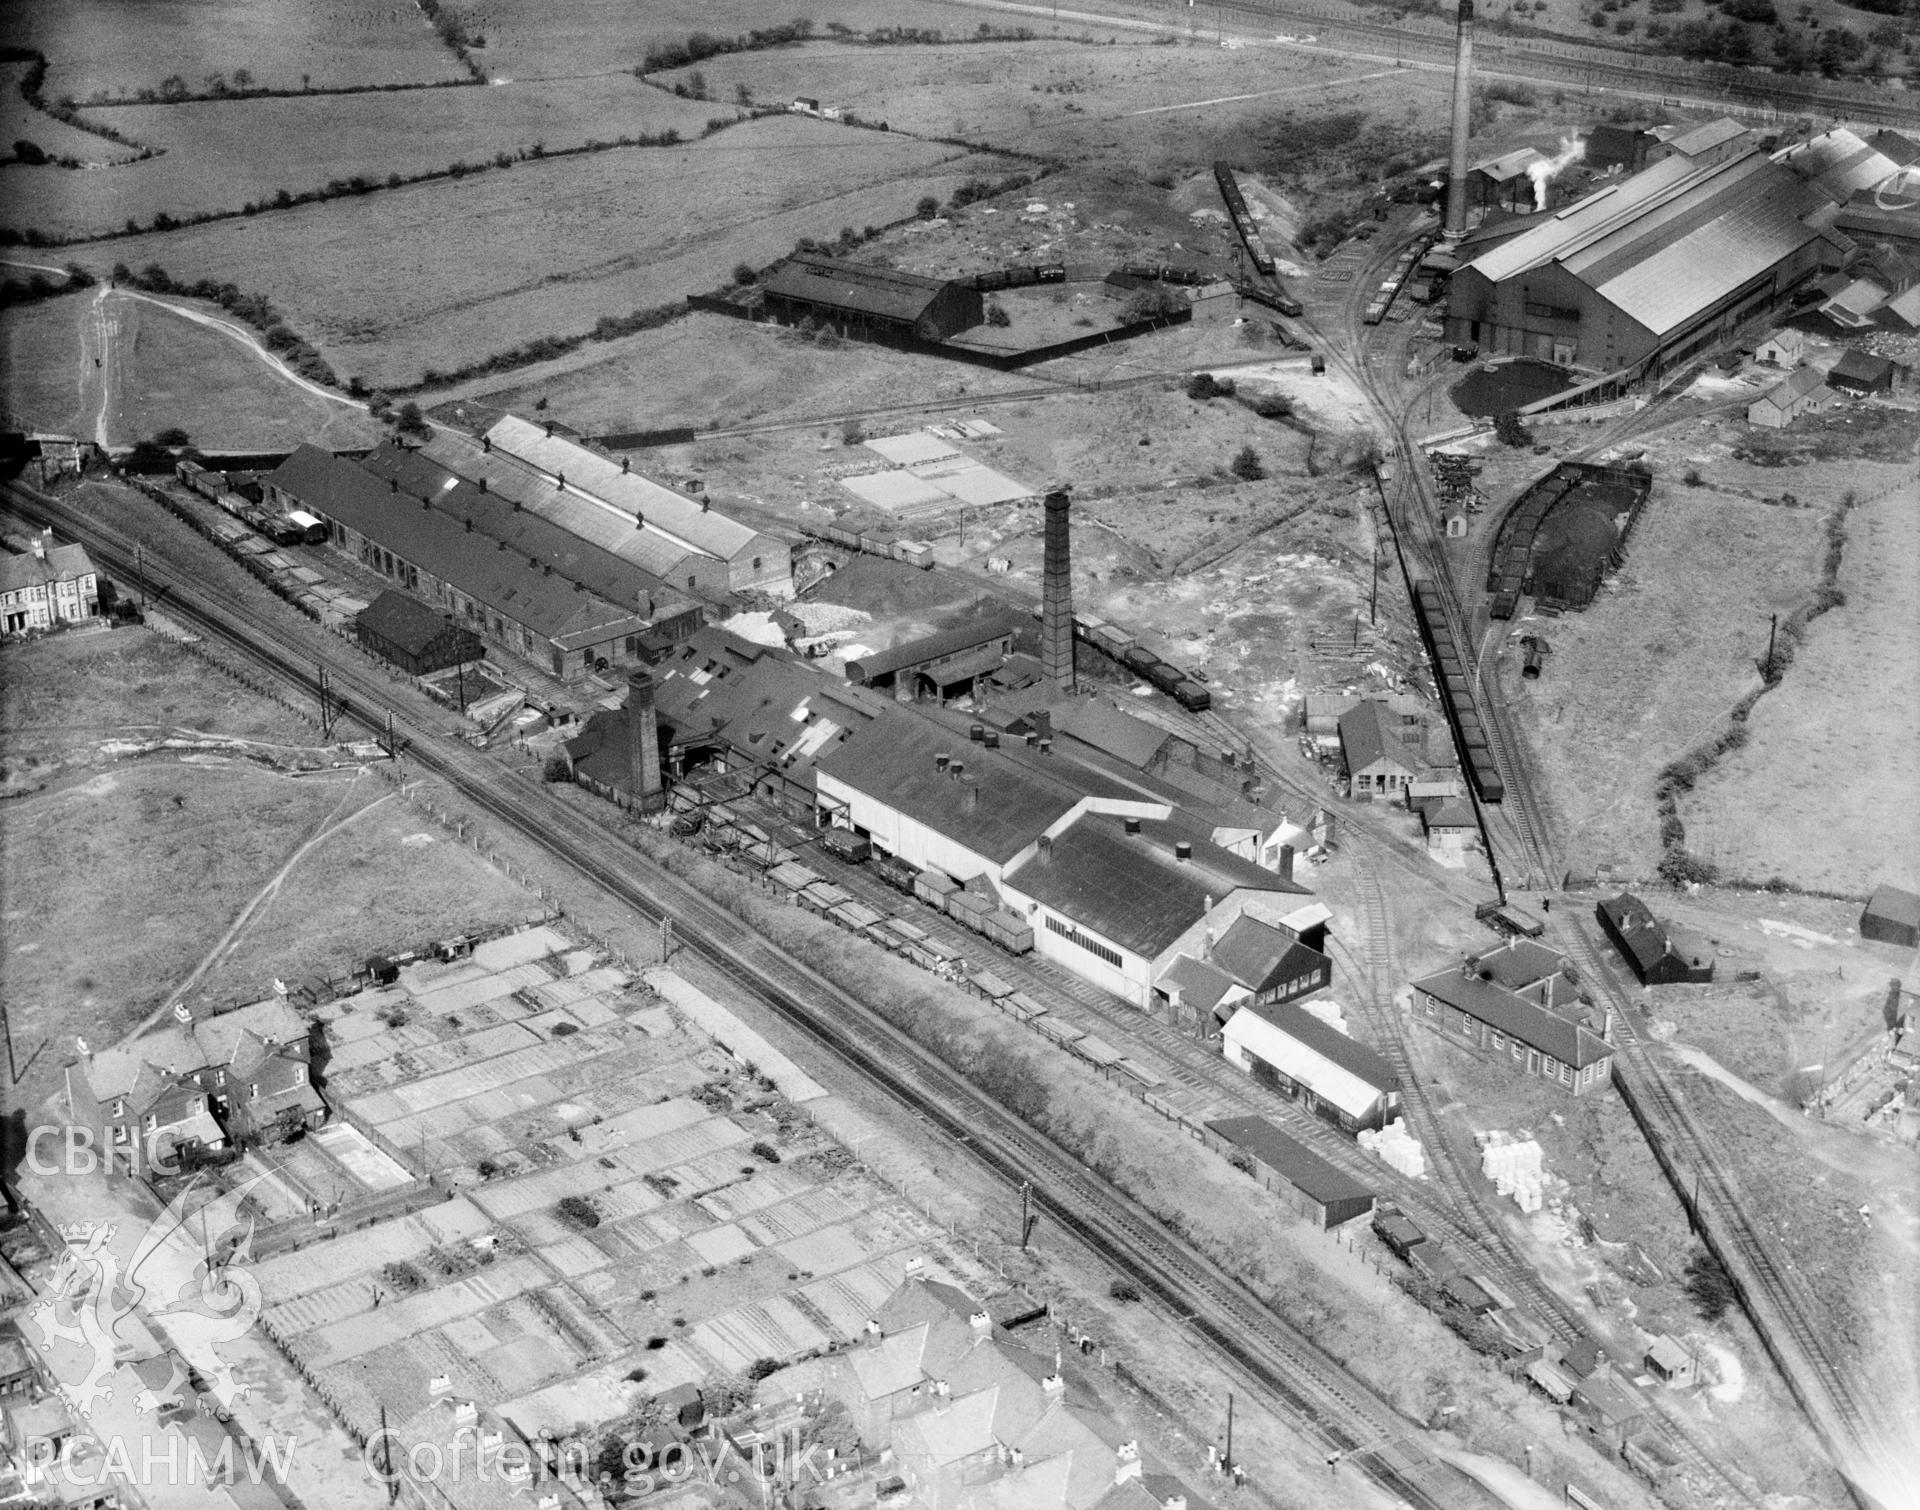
<point>240,1076</point>
<point>1537,1028</point>
<point>51,584</point>
<point>1657,955</point>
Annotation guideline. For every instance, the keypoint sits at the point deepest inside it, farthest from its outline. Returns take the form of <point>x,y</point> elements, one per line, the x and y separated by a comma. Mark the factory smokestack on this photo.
<point>1456,226</point>
<point>1056,598</point>
<point>643,742</point>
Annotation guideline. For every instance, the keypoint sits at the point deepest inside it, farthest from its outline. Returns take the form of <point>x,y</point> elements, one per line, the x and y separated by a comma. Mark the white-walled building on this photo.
<point>47,585</point>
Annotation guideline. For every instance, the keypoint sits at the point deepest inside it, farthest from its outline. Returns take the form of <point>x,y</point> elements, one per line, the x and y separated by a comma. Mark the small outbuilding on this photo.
<point>1862,374</point>
<point>1657,956</point>
<point>1892,916</point>
<point>1329,1195</point>
<point>1672,1363</point>
<point>414,637</point>
<point>1804,391</point>
<point>1782,348</point>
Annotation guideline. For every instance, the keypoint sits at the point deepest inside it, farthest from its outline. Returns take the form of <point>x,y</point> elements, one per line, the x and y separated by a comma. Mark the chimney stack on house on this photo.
<point>643,742</point>
<point>1056,597</point>
<point>1456,221</point>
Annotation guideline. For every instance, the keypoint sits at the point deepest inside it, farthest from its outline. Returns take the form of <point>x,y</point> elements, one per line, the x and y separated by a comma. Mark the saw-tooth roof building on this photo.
<point>605,501</point>
<point>1643,275</point>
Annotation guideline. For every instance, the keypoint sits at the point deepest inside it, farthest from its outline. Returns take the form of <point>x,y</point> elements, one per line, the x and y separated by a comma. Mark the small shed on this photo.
<point>1329,1195</point>
<point>1782,348</point>
<point>1672,1363</point>
<point>1892,916</point>
<point>414,637</point>
<point>1861,373</point>
<point>1658,956</point>
<point>1804,391</point>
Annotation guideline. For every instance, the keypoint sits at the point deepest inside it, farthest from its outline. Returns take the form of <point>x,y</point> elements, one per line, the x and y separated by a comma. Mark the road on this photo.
<point>1252,1341</point>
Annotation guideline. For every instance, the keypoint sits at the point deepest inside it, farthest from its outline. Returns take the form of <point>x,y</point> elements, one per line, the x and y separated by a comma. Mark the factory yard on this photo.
<point>631,1204</point>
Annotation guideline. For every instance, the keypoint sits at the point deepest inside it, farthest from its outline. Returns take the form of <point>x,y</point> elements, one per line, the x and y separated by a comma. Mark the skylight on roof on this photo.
<point>450,484</point>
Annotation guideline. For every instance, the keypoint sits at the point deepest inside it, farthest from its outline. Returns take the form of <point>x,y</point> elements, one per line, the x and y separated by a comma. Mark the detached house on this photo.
<point>49,585</point>
<point>198,1085</point>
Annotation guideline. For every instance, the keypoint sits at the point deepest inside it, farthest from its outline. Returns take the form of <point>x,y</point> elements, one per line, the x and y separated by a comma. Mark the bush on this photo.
<point>760,1368</point>
<point>29,153</point>
<point>556,770</point>
<point>578,1212</point>
<point>767,1152</point>
<point>1709,1286</point>
<point>1693,479</point>
<point>927,208</point>
<point>1204,385</point>
<point>998,317</point>
<point>1122,1289</point>
<point>1247,465</point>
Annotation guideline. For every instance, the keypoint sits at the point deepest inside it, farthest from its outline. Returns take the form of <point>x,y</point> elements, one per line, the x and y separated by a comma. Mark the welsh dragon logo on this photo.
<point>187,1274</point>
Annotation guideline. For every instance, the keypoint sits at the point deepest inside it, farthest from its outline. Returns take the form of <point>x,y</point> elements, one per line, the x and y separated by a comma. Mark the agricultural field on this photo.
<point>530,39</point>
<point>1818,794</point>
<point>171,372</point>
<point>220,155</point>
<point>548,248</point>
<point>1145,105</point>
<point>42,349</point>
<point>707,371</point>
<point>1652,667</point>
<point>56,138</point>
<point>106,48</point>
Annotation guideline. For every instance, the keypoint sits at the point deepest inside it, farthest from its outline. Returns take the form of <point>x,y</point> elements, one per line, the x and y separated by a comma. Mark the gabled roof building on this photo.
<point>1656,954</point>
<point>50,584</point>
<point>1644,274</point>
<point>1335,1077</point>
<point>1537,1028</point>
<point>878,299</point>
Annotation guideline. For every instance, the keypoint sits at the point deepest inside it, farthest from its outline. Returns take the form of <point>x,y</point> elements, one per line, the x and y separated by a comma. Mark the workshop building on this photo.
<point>406,633</point>
<point>1327,1195</point>
<point>872,300</point>
<point>1338,1079</point>
<point>1892,916</point>
<point>1657,955</point>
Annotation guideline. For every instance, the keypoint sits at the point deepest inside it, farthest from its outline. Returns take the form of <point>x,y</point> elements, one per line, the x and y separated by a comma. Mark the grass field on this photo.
<point>541,38</point>
<point>446,273</point>
<point>222,155</point>
<point>40,356</point>
<point>1154,106</point>
<point>1651,669</point>
<point>56,138</point>
<point>171,372</point>
<point>1820,793</point>
<point>107,45</point>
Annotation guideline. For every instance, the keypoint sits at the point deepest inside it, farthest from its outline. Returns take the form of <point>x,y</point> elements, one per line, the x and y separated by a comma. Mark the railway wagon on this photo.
<point>1283,303</point>
<point>933,888</point>
<point>1192,696</point>
<point>1165,676</point>
<point>969,909</point>
<point>1139,660</point>
<point>855,849</point>
<point>897,873</point>
<point>1010,932</point>
<point>1115,642</point>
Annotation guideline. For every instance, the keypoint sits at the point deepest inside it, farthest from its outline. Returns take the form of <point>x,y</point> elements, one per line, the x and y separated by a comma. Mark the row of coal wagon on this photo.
<point>722,829</point>
<point>1184,687</point>
<point>1454,678</point>
<point>1519,1333</point>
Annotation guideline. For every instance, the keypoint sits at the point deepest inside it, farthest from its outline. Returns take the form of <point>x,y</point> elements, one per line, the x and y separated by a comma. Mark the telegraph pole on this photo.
<point>1226,1461</point>
<point>1773,626</point>
<point>6,1031</point>
<point>1026,1213</point>
<point>326,708</point>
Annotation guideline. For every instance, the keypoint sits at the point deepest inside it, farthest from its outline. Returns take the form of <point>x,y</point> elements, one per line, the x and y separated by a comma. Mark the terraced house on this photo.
<point>198,1085</point>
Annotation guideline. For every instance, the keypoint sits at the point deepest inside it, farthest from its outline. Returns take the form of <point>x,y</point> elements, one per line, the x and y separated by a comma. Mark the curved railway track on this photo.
<point>1336,1408</point>
<point>1773,1296</point>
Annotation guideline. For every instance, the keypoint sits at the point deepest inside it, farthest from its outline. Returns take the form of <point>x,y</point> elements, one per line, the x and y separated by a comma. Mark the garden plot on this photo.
<point>666,1223</point>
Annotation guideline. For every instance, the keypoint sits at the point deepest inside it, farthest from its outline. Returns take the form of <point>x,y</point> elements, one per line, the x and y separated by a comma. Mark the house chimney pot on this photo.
<point>486,445</point>
<point>626,466</point>
<point>549,429</point>
<point>1046,746</point>
<point>942,760</point>
<point>1182,850</point>
<point>484,488</point>
<point>957,770</point>
<point>1132,825</point>
<point>992,741</point>
<point>976,732</point>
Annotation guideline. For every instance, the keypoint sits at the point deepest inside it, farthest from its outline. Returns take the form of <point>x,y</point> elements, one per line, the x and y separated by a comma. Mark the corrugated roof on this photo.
<point>541,541</point>
<point>1254,1029</point>
<point>1304,1169</point>
<point>932,647</point>
<point>501,580</point>
<point>1669,241</point>
<point>515,482</point>
<point>1131,889</point>
<point>1095,722</point>
<point>1705,138</point>
<point>599,477</point>
<point>1501,1009</point>
<point>1509,165</point>
<point>849,285</point>
<point>1839,163</point>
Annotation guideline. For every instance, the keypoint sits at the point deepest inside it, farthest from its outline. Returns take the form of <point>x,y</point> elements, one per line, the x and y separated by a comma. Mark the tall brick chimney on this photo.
<point>1056,588</point>
<point>643,742</point>
<point>1456,222</point>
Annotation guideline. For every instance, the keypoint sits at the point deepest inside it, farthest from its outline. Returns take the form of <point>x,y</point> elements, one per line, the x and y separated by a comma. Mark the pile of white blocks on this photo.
<point>1398,1149</point>
<point>1514,1166</point>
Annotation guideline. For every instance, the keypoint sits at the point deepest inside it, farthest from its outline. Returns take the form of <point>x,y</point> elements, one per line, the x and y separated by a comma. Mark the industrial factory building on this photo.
<point>1645,274</point>
<point>876,300</point>
<point>568,608</point>
<point>607,502</point>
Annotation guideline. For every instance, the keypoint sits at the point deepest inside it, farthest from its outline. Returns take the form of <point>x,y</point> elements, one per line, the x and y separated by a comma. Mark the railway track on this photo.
<point>1336,1408</point>
<point>1773,1297</point>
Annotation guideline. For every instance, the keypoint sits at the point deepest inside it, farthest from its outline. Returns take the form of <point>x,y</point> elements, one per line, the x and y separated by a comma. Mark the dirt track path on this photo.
<point>332,824</point>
